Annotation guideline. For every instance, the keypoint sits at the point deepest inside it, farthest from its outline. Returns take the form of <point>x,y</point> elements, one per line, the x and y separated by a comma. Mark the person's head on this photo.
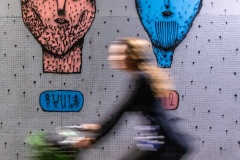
<point>132,54</point>
<point>58,24</point>
<point>128,53</point>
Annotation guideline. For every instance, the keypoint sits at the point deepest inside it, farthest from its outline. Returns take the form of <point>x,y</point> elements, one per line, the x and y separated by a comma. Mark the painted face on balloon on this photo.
<point>59,26</point>
<point>167,23</point>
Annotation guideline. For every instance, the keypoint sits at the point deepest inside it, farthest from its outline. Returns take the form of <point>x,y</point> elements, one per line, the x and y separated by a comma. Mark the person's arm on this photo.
<point>109,121</point>
<point>104,124</point>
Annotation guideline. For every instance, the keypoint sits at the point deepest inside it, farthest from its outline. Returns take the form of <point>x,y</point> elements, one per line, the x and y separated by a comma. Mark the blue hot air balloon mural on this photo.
<point>167,23</point>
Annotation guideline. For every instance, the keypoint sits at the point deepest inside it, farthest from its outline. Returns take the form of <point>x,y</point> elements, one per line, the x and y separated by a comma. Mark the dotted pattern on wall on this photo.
<point>205,71</point>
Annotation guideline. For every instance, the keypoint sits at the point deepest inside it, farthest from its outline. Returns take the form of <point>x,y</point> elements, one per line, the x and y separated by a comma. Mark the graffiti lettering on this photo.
<point>61,101</point>
<point>170,100</point>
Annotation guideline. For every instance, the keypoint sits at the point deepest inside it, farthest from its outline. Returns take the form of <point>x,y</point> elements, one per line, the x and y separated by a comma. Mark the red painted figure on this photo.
<point>59,26</point>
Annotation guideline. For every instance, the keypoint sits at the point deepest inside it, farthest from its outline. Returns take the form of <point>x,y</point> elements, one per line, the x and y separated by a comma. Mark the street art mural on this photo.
<point>167,23</point>
<point>59,26</point>
<point>170,101</point>
<point>61,101</point>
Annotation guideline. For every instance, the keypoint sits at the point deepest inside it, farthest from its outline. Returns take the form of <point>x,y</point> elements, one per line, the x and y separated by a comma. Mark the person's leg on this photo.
<point>176,144</point>
<point>171,151</point>
<point>137,154</point>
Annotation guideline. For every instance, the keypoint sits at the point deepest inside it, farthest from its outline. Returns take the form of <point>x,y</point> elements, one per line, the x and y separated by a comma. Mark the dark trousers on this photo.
<point>175,146</point>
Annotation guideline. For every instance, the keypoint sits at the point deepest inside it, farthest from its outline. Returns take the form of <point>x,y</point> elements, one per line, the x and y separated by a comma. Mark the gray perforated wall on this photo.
<point>205,70</point>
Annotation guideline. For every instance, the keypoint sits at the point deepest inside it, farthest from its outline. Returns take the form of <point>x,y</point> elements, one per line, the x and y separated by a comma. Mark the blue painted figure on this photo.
<point>167,23</point>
